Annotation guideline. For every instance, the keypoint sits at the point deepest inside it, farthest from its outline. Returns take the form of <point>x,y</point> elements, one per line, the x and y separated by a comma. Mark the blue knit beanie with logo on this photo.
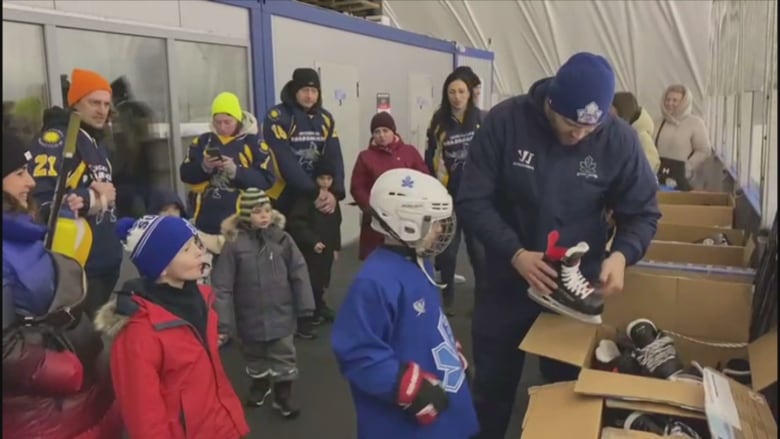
<point>583,89</point>
<point>153,241</point>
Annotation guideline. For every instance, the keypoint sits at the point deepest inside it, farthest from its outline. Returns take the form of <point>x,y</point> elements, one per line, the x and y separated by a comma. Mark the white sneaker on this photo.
<point>459,279</point>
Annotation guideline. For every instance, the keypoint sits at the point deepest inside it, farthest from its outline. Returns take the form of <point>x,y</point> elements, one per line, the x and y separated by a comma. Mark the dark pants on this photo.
<point>498,365</point>
<point>447,261</point>
<point>99,289</point>
<point>320,266</point>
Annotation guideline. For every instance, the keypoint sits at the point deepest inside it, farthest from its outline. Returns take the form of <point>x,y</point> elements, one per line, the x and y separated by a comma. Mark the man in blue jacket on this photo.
<point>552,160</point>
<point>299,132</point>
<point>91,178</point>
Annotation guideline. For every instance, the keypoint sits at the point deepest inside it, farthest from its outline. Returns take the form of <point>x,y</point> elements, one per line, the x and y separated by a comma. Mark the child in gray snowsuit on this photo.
<point>264,274</point>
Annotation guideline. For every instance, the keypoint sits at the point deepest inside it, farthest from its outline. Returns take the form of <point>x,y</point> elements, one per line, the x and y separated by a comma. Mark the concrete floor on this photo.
<point>322,394</point>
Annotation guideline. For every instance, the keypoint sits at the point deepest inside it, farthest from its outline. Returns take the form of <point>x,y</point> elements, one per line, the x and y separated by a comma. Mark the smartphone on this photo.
<point>213,151</point>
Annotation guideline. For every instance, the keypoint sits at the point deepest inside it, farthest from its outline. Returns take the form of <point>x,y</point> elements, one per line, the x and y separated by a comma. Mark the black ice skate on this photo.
<point>639,421</point>
<point>739,371</point>
<point>611,358</point>
<point>575,296</point>
<point>655,351</point>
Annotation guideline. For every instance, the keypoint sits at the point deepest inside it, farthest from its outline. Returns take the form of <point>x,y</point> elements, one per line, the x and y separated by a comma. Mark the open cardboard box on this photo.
<point>697,198</point>
<point>712,311</point>
<point>587,417</point>
<point>727,256</point>
<point>735,411</point>
<point>697,208</point>
<point>681,233</point>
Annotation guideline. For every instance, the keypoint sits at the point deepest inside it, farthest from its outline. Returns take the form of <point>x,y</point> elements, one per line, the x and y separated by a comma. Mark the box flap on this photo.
<point>560,338</point>
<point>652,407</point>
<point>763,361</point>
<point>635,388</point>
<point>696,198</point>
<point>665,251</point>
<point>717,216</point>
<point>619,433</point>
<point>691,234</point>
<point>548,405</point>
<point>735,411</point>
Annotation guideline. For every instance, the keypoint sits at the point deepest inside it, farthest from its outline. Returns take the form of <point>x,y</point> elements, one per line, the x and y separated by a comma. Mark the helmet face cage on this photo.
<point>426,246</point>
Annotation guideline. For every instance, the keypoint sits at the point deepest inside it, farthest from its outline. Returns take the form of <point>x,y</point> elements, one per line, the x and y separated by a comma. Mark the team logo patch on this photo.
<point>590,115</point>
<point>50,138</point>
<point>274,114</point>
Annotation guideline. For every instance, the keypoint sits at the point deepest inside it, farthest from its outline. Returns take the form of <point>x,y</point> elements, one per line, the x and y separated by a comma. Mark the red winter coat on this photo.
<point>48,393</point>
<point>167,383</point>
<point>371,163</point>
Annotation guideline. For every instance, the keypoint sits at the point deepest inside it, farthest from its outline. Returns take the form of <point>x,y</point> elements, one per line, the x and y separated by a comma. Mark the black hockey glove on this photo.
<point>420,393</point>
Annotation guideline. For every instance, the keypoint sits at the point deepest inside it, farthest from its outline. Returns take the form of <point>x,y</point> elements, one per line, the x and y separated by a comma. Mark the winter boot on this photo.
<point>325,315</point>
<point>575,296</point>
<point>655,351</point>
<point>282,395</point>
<point>260,388</point>
<point>305,329</point>
<point>259,391</point>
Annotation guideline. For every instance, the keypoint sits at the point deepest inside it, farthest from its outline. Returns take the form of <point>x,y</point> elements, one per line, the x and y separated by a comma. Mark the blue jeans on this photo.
<point>447,261</point>
<point>498,365</point>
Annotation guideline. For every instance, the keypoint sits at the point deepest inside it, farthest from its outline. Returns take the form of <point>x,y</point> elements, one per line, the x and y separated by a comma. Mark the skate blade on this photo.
<point>552,305</point>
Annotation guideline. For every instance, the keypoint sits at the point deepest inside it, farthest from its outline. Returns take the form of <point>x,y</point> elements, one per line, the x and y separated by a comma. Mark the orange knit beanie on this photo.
<point>84,82</point>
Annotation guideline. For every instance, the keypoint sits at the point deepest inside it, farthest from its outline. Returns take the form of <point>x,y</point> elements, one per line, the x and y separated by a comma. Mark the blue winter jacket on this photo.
<point>520,183</point>
<point>28,269</point>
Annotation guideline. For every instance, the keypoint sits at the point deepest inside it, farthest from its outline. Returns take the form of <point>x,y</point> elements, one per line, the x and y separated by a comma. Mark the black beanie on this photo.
<point>15,153</point>
<point>324,167</point>
<point>305,77</point>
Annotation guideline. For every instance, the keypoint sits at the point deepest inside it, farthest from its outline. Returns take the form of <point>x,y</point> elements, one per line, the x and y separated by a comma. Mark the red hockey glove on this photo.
<point>420,393</point>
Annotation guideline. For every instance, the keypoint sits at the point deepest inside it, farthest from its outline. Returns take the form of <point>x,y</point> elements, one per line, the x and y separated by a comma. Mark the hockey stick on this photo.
<point>69,150</point>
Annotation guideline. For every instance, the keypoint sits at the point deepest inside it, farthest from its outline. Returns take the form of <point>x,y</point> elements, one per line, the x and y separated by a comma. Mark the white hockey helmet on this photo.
<point>406,203</point>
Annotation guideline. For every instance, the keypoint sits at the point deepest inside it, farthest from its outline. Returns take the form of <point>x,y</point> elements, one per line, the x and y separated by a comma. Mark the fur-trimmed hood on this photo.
<point>114,315</point>
<point>232,225</point>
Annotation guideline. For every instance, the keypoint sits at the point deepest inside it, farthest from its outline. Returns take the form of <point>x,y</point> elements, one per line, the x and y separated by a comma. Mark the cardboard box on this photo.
<point>729,256</point>
<point>697,198</point>
<point>706,310</point>
<point>697,208</point>
<point>712,216</point>
<point>587,417</point>
<point>692,234</point>
<point>735,411</point>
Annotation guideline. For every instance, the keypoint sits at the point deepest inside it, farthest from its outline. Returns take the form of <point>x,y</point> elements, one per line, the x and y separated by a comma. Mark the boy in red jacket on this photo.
<point>165,362</point>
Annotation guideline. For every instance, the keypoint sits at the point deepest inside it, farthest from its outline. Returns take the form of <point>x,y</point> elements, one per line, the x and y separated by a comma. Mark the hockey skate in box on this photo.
<point>673,322</point>
<point>575,296</point>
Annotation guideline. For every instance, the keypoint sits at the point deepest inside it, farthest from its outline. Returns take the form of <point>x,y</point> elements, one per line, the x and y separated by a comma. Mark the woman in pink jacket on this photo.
<point>385,151</point>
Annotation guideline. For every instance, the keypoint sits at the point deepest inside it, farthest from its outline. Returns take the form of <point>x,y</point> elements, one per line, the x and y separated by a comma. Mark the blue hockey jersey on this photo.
<point>392,315</point>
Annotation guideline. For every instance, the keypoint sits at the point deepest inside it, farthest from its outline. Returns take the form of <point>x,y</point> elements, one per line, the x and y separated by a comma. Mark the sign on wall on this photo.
<point>383,102</point>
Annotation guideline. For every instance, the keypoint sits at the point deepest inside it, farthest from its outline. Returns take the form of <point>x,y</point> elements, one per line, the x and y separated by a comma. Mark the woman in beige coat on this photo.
<point>626,107</point>
<point>681,135</point>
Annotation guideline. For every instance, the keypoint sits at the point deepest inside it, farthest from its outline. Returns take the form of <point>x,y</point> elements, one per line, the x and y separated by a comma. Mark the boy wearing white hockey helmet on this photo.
<point>392,340</point>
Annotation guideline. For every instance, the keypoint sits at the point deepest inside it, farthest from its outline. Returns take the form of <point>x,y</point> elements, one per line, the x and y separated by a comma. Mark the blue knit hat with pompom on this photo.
<point>153,241</point>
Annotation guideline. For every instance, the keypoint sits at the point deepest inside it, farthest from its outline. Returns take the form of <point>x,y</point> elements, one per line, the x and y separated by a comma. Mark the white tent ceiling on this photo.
<point>650,44</point>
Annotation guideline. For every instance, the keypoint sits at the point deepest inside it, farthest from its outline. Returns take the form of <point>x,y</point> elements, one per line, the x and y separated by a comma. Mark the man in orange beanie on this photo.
<point>90,178</point>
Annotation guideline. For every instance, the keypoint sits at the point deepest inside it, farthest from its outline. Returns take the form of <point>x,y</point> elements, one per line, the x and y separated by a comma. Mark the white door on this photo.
<point>340,89</point>
<point>421,109</point>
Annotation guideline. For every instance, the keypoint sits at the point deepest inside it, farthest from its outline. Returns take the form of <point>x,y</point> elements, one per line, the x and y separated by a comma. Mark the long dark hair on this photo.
<point>443,116</point>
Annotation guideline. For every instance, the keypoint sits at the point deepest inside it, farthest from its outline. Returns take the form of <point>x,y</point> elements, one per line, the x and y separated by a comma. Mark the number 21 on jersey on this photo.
<point>45,166</point>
